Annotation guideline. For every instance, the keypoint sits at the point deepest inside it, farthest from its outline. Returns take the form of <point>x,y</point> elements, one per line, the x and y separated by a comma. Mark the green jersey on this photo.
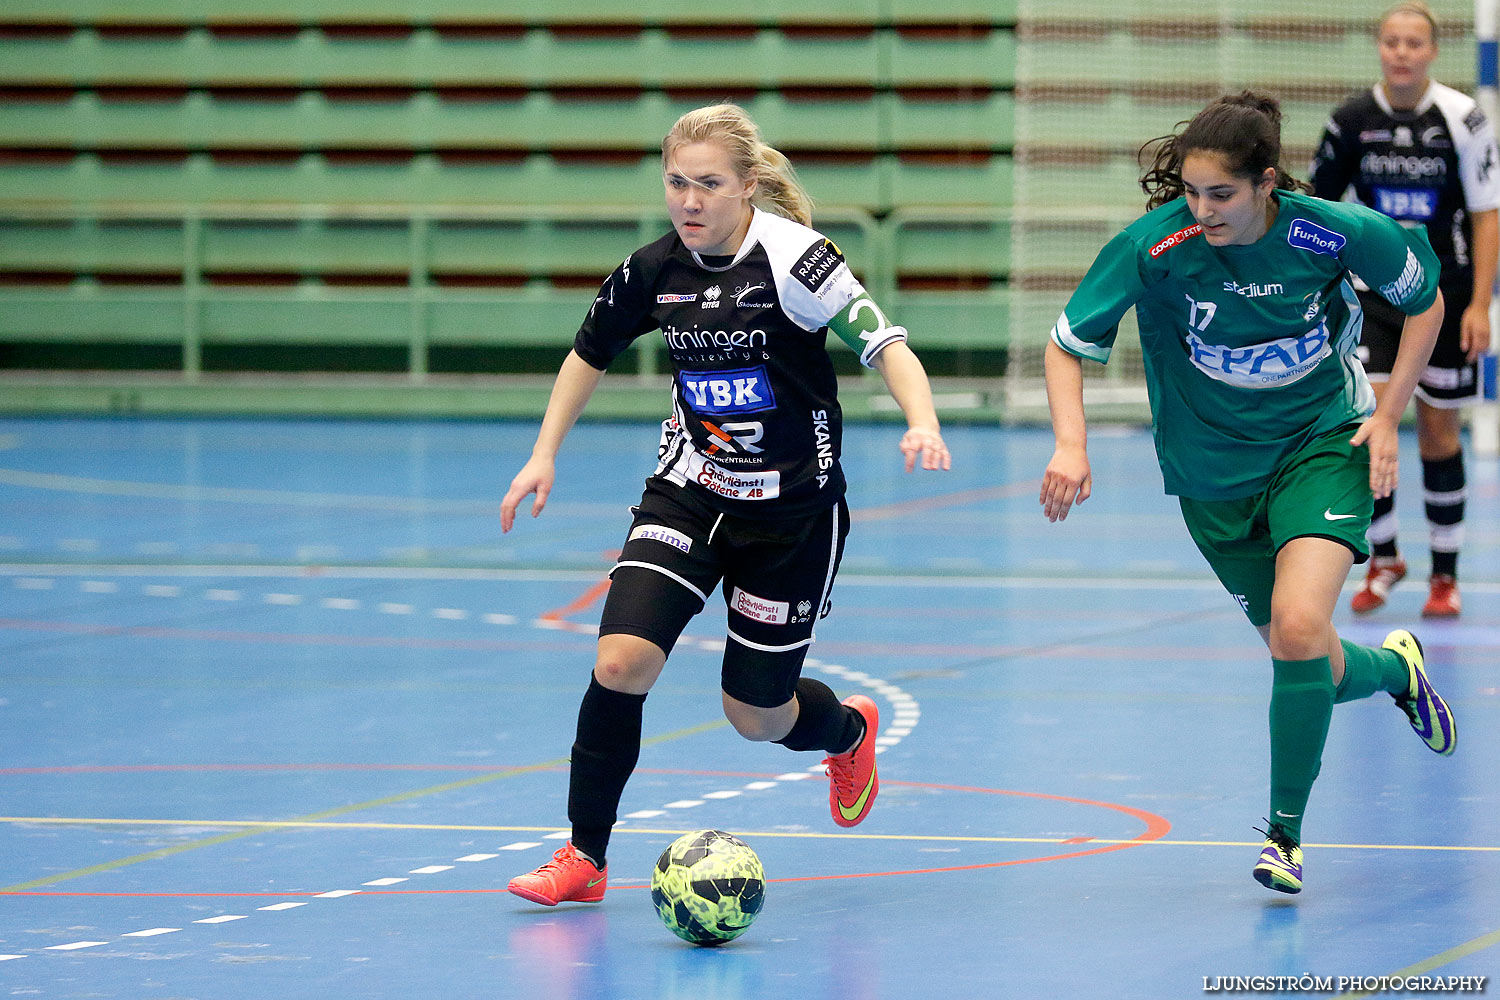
<point>1249,350</point>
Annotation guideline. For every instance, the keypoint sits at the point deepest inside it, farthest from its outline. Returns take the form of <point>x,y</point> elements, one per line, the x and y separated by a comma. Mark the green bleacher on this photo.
<point>196,190</point>
<point>225,181</point>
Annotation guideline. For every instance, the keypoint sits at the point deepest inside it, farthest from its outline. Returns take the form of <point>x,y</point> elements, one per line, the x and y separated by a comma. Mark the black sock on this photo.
<point>822,723</point>
<point>604,754</point>
<point>1444,491</point>
<point>1382,533</point>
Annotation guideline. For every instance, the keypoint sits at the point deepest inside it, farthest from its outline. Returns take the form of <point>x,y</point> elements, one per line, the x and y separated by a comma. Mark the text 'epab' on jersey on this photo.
<point>1433,166</point>
<point>756,420</point>
<point>1249,350</point>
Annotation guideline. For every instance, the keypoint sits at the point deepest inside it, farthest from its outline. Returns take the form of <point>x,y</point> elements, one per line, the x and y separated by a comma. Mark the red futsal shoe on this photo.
<point>568,878</point>
<point>1384,573</point>
<point>1442,597</point>
<point>852,781</point>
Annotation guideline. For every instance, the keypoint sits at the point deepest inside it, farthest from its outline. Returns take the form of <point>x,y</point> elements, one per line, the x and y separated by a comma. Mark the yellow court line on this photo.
<point>314,823</point>
<point>1436,961</point>
<point>313,819</point>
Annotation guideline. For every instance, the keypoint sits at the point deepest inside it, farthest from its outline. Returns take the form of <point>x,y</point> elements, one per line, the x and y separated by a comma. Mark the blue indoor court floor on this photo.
<point>282,711</point>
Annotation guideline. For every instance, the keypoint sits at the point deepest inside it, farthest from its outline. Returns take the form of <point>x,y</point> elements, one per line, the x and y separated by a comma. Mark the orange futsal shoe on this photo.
<point>568,878</point>
<point>852,781</point>
<point>1442,597</point>
<point>1384,573</point>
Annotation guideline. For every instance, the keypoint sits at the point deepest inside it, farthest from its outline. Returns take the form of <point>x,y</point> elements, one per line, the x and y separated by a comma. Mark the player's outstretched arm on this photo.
<point>906,380</point>
<point>576,382</point>
<point>1067,480</point>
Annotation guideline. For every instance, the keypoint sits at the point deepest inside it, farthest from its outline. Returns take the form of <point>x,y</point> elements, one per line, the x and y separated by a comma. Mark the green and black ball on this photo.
<point>708,887</point>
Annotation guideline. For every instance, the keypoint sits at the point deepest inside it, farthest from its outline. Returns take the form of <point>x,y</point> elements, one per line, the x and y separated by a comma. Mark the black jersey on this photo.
<point>1432,166</point>
<point>756,420</point>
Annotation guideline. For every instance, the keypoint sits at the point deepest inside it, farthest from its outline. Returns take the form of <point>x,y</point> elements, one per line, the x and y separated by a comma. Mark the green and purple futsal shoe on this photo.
<point>1424,707</point>
<point>1280,864</point>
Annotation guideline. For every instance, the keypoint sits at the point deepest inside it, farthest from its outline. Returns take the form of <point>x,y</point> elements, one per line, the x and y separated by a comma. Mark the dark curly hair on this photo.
<point>1244,128</point>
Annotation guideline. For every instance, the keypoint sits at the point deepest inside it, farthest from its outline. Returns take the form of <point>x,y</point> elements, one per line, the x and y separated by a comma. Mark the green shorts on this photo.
<point>1322,490</point>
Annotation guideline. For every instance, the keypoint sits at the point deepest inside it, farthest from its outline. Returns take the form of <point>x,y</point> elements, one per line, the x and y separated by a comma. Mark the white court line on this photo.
<point>337,894</point>
<point>281,906</point>
<point>430,870</point>
<point>221,920</point>
<point>486,857</point>
<point>75,945</point>
<point>7,958</point>
<point>386,881</point>
<point>153,932</point>
<point>518,846</point>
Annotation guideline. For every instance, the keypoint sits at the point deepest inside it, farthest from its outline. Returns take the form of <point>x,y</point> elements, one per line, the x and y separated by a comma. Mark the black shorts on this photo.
<point>1450,380</point>
<point>776,574</point>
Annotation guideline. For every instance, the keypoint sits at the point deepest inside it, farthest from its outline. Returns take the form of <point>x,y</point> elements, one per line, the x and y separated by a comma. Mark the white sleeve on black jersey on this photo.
<point>813,281</point>
<point>1474,137</point>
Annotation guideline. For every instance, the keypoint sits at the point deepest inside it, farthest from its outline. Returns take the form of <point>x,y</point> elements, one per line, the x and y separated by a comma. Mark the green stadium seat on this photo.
<point>983,59</point>
<point>986,122</point>
<point>956,320</point>
<point>426,57</point>
<point>91,245</point>
<point>369,173</point>
<point>950,181</point>
<point>944,12</point>
<point>954,245</point>
<point>424,179</point>
<point>87,313</point>
<point>482,12</point>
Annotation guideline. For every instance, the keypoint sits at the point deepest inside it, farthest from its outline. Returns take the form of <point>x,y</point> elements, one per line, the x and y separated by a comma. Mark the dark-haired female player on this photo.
<point>747,493</point>
<point>1266,428</point>
<point>1424,154</point>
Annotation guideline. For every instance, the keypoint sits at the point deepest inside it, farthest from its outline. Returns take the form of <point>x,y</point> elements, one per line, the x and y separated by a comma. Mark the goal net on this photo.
<point>1097,78</point>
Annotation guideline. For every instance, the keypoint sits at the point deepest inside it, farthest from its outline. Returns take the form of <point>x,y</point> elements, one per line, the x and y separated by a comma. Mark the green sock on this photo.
<point>1301,705</point>
<point>1367,670</point>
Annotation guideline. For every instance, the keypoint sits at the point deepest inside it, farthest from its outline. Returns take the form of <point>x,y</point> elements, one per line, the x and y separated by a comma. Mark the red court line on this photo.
<point>582,601</point>
<point>902,508</point>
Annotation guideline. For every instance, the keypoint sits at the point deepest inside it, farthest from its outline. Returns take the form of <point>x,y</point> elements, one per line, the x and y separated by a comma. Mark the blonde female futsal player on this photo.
<point>748,493</point>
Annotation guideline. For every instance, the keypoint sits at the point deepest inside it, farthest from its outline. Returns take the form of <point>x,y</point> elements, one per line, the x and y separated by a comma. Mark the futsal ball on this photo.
<point>708,887</point>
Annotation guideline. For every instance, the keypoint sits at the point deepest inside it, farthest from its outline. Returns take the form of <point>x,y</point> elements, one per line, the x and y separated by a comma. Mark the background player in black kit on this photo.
<point>1424,154</point>
<point>748,491</point>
